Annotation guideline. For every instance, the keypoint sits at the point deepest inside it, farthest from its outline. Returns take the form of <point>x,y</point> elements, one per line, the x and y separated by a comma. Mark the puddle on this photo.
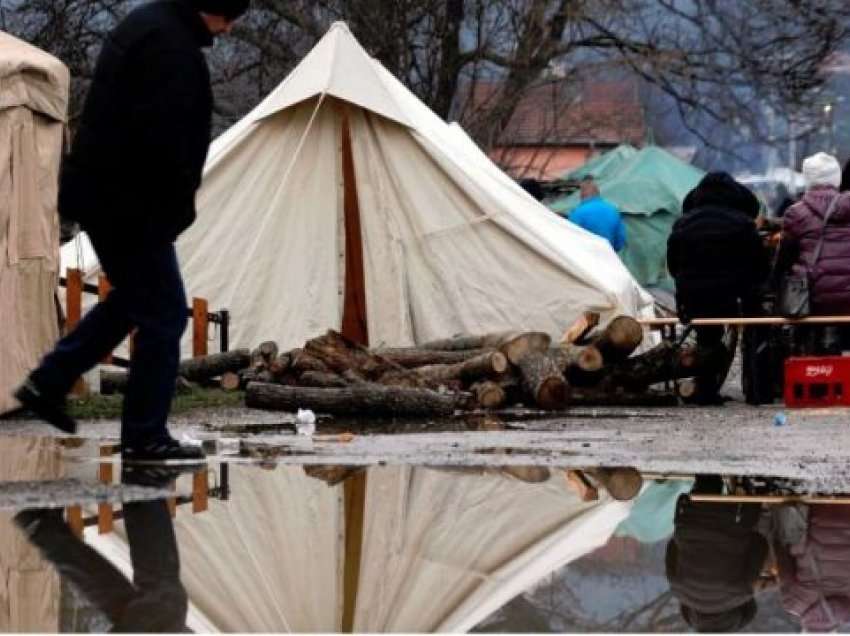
<point>261,544</point>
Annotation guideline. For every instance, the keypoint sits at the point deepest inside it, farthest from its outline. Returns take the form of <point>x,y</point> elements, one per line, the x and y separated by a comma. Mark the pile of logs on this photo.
<point>591,366</point>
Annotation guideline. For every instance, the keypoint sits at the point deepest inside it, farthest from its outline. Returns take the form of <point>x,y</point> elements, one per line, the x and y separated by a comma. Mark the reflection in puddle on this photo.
<point>413,548</point>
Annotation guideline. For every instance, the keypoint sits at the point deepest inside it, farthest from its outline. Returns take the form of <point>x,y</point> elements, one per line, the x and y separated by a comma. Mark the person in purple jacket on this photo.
<point>803,226</point>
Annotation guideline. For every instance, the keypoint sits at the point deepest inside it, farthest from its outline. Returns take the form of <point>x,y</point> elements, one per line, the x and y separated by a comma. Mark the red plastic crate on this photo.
<point>817,382</point>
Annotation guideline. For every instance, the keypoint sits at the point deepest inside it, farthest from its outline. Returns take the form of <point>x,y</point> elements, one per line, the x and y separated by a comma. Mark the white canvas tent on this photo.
<point>343,202</point>
<point>437,551</point>
<point>34,90</point>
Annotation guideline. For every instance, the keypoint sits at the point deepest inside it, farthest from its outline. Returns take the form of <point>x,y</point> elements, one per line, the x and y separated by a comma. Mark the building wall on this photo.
<point>544,163</point>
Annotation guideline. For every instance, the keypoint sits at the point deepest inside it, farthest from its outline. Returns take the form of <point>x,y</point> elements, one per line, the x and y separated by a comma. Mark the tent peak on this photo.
<point>338,66</point>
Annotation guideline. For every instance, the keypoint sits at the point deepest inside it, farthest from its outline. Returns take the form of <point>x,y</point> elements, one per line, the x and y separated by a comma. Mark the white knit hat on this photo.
<point>822,169</point>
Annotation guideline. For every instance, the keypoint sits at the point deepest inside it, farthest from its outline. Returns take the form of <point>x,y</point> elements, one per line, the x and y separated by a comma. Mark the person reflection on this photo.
<point>812,547</point>
<point>155,601</point>
<point>714,559</point>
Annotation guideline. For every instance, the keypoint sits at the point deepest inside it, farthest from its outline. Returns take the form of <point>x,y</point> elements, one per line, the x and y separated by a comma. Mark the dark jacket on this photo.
<point>139,152</point>
<point>715,555</point>
<point>714,250</point>
<point>801,231</point>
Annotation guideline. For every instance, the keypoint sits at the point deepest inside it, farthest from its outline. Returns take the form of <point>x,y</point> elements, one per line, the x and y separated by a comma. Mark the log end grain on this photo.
<point>552,394</point>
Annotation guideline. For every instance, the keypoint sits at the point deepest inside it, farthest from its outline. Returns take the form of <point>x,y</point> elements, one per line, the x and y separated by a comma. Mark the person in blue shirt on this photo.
<point>597,215</point>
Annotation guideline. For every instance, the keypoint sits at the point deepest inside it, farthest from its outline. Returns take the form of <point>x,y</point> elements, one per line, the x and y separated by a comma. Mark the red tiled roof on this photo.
<point>567,112</point>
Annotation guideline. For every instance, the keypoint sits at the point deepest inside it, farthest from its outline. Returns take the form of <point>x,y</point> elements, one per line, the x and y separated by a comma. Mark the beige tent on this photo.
<point>401,549</point>
<point>33,101</point>
<point>342,201</point>
<point>29,586</point>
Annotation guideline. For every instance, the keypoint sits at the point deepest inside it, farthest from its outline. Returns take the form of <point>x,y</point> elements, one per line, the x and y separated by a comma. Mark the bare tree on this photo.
<point>720,62</point>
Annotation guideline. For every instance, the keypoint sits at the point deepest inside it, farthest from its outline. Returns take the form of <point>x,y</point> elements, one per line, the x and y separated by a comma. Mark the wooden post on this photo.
<point>354,489</point>
<point>200,492</point>
<point>354,321</point>
<point>103,289</point>
<point>75,520</point>
<point>74,308</point>
<point>200,313</point>
<point>73,298</point>
<point>105,518</point>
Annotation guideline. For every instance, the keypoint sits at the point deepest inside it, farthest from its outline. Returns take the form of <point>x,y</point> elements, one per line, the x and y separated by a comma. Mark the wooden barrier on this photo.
<point>657,323</point>
<point>75,520</point>
<point>103,289</point>
<point>200,327</point>
<point>200,492</point>
<point>105,516</point>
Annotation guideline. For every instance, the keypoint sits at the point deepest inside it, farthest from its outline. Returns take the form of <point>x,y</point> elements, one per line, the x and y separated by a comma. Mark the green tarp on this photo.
<point>603,165</point>
<point>648,186</point>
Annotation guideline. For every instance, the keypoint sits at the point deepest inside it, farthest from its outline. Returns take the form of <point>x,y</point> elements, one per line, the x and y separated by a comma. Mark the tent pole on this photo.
<point>354,324</point>
<point>354,327</point>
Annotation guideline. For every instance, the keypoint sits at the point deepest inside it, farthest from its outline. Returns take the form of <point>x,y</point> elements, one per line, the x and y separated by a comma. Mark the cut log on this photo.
<point>580,329</point>
<point>212,366</point>
<point>229,381</point>
<point>264,355</point>
<point>477,368</point>
<point>461,342</point>
<point>666,362</point>
<point>619,339</point>
<point>623,484</point>
<point>687,389</point>
<point>280,364</point>
<point>412,357</point>
<point>114,382</point>
<point>517,347</point>
<point>368,400</point>
<point>353,361</point>
<point>587,358</point>
<point>488,395</point>
<point>577,481</point>
<point>320,379</point>
<point>544,381</point>
<point>303,362</point>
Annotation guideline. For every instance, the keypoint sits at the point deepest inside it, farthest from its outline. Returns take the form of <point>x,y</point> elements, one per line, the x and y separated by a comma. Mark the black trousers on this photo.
<point>147,294</point>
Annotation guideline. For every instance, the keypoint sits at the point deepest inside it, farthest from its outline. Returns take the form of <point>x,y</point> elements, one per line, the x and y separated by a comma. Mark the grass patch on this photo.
<point>101,407</point>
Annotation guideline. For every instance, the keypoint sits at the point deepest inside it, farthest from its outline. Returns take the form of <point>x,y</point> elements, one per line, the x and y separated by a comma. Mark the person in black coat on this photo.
<point>715,253</point>
<point>718,260</point>
<point>714,560</point>
<point>130,182</point>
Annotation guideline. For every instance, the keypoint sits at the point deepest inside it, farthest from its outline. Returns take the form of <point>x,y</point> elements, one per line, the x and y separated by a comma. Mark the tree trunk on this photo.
<point>354,361</point>
<point>303,362</point>
<point>211,366</point>
<point>412,357</point>
<point>585,358</point>
<point>460,343</point>
<point>368,400</point>
<point>619,339</point>
<point>321,380</point>
<point>665,362</point>
<point>478,368</point>
<point>544,381</point>
<point>517,347</point>
<point>114,382</point>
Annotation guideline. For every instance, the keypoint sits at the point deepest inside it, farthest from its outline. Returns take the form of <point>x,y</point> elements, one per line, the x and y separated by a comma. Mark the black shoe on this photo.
<point>165,450</point>
<point>33,520</point>
<point>51,411</point>
<point>154,476</point>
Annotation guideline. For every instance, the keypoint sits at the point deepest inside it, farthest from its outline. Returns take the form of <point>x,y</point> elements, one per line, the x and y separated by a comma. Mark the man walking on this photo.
<point>130,182</point>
